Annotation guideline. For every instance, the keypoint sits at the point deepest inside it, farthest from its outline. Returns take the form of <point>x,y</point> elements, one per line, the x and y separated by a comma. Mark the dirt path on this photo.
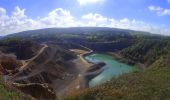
<point>78,82</point>
<point>71,82</point>
<point>75,83</point>
<point>40,67</point>
<point>30,60</point>
<point>86,48</point>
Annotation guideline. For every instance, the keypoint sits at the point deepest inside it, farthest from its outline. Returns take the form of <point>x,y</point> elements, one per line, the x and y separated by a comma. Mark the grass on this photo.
<point>8,94</point>
<point>153,84</point>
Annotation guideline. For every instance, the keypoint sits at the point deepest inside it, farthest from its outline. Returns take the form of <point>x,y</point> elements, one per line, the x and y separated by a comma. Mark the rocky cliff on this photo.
<point>40,73</point>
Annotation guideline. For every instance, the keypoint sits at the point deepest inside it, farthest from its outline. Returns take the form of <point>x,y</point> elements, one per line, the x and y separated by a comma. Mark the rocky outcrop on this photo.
<point>8,64</point>
<point>50,65</point>
<point>22,49</point>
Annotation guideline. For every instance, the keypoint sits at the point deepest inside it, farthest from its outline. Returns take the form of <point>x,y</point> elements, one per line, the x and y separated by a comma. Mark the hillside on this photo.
<point>150,84</point>
<point>47,74</point>
<point>46,63</point>
<point>43,72</point>
<point>147,51</point>
<point>7,93</point>
<point>97,38</point>
<point>26,65</point>
<point>21,48</point>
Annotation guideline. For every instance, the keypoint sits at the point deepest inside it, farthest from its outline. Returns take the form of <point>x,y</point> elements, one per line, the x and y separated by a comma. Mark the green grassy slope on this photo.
<point>162,62</point>
<point>8,94</point>
<point>149,85</point>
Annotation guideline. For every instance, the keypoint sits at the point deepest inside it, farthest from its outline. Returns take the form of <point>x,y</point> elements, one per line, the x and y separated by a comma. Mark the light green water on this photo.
<point>113,68</point>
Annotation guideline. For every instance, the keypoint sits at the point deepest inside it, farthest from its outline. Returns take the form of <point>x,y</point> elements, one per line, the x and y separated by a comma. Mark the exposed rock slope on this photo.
<point>41,72</point>
<point>8,64</point>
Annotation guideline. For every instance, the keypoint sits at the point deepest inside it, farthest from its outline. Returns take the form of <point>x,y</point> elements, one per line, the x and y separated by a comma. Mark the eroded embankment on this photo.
<point>52,73</point>
<point>86,72</point>
<point>50,67</point>
<point>92,72</point>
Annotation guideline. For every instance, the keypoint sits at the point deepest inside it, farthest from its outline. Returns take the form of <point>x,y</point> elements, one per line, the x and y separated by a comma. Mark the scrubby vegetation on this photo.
<point>147,50</point>
<point>7,93</point>
<point>23,49</point>
<point>148,85</point>
<point>162,62</point>
<point>151,84</point>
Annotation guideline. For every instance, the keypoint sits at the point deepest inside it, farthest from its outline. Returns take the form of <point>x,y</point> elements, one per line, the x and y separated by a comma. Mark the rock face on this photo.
<point>22,49</point>
<point>41,73</point>
<point>51,62</point>
<point>8,64</point>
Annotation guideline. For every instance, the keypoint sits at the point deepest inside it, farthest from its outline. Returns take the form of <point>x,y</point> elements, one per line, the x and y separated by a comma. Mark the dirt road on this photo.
<point>30,60</point>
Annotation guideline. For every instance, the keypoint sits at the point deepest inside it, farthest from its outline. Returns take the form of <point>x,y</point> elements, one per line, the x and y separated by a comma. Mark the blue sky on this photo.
<point>145,15</point>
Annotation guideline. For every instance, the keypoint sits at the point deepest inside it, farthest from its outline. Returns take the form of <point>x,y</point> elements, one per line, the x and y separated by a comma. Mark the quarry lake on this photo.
<point>112,69</point>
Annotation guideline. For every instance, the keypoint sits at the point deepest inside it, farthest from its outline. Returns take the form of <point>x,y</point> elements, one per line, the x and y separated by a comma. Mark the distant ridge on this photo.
<point>75,30</point>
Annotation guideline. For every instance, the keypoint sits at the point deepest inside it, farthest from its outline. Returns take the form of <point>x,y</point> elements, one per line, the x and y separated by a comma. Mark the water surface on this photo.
<point>113,68</point>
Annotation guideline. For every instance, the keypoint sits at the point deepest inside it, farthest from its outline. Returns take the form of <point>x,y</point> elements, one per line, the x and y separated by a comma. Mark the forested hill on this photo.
<point>136,46</point>
<point>96,38</point>
<point>100,33</point>
<point>147,51</point>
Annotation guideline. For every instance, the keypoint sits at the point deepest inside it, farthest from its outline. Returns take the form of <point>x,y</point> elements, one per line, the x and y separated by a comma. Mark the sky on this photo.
<point>143,15</point>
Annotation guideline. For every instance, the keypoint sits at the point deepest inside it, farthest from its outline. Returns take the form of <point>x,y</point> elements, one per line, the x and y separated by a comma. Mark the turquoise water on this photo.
<point>113,68</point>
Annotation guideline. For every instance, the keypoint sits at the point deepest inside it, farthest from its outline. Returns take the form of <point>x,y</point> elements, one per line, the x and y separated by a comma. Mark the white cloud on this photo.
<point>85,2</point>
<point>18,13</point>
<point>59,17</point>
<point>2,11</point>
<point>168,1</point>
<point>159,11</point>
<point>154,8</point>
<point>94,19</point>
<point>3,17</point>
<point>125,20</point>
